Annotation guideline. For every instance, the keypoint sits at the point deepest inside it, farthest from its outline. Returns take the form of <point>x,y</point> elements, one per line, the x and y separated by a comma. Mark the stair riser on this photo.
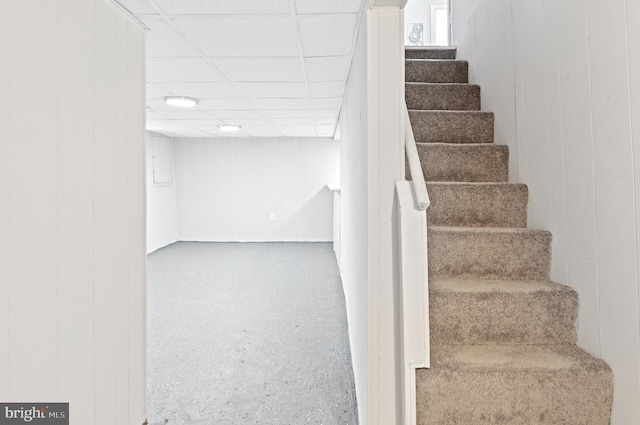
<point>452,127</point>
<point>464,163</point>
<point>543,317</point>
<point>453,97</point>
<point>436,71</point>
<point>478,205</point>
<point>516,398</point>
<point>430,53</point>
<point>489,255</point>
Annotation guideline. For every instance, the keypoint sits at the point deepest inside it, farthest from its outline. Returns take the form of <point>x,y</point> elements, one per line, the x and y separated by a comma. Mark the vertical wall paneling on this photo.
<point>633,47</point>
<point>227,188</point>
<point>556,154</point>
<point>72,250</point>
<point>614,180</point>
<point>33,200</point>
<point>136,162</point>
<point>519,81</point>
<point>573,66</point>
<point>353,215</point>
<point>105,243</point>
<point>4,204</point>
<point>122,225</point>
<point>75,207</point>
<point>575,105</point>
<point>536,104</point>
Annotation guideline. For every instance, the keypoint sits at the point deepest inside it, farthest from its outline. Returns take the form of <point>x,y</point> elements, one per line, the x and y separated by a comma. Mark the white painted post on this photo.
<point>385,162</point>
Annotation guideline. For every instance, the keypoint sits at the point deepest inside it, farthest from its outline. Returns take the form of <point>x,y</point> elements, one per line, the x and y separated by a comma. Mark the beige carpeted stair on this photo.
<point>503,336</point>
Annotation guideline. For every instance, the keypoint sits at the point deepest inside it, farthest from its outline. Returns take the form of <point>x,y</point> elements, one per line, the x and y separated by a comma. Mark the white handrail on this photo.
<point>419,185</point>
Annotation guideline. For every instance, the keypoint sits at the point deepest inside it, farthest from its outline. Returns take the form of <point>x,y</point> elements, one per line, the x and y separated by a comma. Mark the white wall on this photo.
<point>353,213</point>
<point>229,187</point>
<point>564,81</point>
<point>162,210</point>
<point>72,209</point>
<point>372,160</point>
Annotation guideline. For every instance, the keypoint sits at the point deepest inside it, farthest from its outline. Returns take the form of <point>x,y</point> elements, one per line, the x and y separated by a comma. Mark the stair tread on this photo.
<point>489,357</point>
<point>476,184</point>
<point>484,286</point>
<point>488,230</point>
<point>418,83</point>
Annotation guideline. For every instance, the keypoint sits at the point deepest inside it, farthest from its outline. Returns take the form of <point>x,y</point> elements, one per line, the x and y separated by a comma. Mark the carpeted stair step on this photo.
<point>489,253</point>
<point>478,204</point>
<point>501,312</point>
<point>454,97</point>
<point>452,126</point>
<point>430,52</point>
<point>445,162</point>
<point>436,71</point>
<point>514,385</point>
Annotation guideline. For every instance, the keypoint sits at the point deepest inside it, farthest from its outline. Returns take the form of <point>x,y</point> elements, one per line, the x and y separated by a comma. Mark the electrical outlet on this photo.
<point>272,216</point>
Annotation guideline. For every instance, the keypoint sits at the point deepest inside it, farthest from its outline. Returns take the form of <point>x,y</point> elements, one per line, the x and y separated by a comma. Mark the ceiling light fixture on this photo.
<point>229,127</point>
<point>181,101</point>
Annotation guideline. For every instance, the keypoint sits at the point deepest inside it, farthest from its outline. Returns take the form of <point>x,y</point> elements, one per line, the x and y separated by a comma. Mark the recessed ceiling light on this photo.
<point>229,127</point>
<point>181,101</point>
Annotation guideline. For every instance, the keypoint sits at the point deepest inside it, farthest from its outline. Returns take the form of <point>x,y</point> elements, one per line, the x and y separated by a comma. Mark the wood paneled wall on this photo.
<point>563,78</point>
<point>72,208</point>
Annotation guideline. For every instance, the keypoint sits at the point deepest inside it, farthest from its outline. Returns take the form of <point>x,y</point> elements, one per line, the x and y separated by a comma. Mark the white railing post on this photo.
<point>413,201</point>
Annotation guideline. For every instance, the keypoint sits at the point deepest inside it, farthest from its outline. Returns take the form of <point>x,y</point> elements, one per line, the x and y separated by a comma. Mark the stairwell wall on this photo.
<point>353,215</point>
<point>563,78</point>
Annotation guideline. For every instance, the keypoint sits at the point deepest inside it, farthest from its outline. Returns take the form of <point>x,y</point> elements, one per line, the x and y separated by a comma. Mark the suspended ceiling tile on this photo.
<point>328,6</point>
<point>225,104</point>
<point>273,90</point>
<point>329,103</point>
<point>327,35</point>
<point>230,114</point>
<point>299,133</point>
<point>196,123</point>
<point>152,115</point>
<point>164,41</point>
<point>326,89</point>
<point>327,113</point>
<point>281,103</point>
<point>263,133</point>
<point>202,90</point>
<point>166,125</point>
<point>224,7</point>
<point>292,127</point>
<point>162,70</point>
<point>138,7</point>
<point>183,114</point>
<point>326,121</point>
<point>326,128</point>
<point>333,68</point>
<point>260,69</point>
<point>156,92</point>
<point>241,35</point>
<point>292,121</point>
<point>288,113</point>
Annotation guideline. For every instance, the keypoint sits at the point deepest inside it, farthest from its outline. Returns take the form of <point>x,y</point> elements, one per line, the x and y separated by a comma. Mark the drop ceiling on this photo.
<point>274,67</point>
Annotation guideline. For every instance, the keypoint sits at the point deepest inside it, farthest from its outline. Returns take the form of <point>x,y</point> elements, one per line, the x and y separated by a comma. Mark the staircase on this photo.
<point>503,336</point>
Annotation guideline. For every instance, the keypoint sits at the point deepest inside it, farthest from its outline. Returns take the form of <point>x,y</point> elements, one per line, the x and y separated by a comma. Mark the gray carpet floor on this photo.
<point>252,333</point>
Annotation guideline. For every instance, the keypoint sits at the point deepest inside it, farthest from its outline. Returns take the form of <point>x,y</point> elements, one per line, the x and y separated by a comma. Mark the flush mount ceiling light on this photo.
<point>229,127</point>
<point>181,101</point>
